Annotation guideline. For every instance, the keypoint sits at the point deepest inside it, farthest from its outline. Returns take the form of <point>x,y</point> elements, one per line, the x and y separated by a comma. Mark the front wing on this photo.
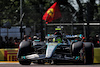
<point>42,57</point>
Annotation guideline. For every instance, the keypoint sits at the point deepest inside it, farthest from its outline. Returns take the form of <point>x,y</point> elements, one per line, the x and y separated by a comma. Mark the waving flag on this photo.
<point>52,13</point>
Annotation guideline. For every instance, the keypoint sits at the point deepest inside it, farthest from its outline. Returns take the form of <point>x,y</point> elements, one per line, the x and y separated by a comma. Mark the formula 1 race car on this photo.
<point>55,50</point>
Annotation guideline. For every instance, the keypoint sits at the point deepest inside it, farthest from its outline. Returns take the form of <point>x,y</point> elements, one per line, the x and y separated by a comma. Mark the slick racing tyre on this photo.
<point>88,53</point>
<point>24,62</point>
<point>76,47</point>
<point>24,49</point>
<point>41,62</point>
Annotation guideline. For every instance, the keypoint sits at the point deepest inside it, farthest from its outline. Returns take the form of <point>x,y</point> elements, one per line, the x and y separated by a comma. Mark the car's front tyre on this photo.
<point>25,62</point>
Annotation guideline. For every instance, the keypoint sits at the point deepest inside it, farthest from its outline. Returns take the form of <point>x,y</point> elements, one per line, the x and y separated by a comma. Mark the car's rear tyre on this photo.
<point>24,49</point>
<point>25,62</point>
<point>76,47</point>
<point>88,54</point>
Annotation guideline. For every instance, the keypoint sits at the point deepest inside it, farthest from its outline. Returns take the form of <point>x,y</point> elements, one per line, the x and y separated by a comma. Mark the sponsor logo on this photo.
<point>10,55</point>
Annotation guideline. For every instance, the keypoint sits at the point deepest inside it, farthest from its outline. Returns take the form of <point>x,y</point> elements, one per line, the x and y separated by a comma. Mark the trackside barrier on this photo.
<point>8,54</point>
<point>11,55</point>
<point>96,55</point>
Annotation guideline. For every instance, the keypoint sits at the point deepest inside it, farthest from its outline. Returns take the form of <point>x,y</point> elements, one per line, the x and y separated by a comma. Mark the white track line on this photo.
<point>9,63</point>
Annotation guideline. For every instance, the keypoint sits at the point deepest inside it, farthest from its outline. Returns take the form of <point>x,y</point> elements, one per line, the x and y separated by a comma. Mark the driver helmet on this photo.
<point>58,39</point>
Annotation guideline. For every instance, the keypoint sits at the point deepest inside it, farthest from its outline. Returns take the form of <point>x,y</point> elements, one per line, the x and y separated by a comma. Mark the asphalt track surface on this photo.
<point>16,64</point>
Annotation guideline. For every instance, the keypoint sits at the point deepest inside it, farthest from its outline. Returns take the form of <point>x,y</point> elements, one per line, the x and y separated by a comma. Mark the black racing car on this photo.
<point>55,51</point>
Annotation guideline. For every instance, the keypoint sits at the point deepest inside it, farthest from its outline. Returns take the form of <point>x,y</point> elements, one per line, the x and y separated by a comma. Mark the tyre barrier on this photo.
<point>11,54</point>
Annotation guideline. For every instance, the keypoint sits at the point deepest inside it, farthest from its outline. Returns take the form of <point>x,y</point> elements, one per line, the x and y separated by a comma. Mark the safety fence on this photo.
<point>11,55</point>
